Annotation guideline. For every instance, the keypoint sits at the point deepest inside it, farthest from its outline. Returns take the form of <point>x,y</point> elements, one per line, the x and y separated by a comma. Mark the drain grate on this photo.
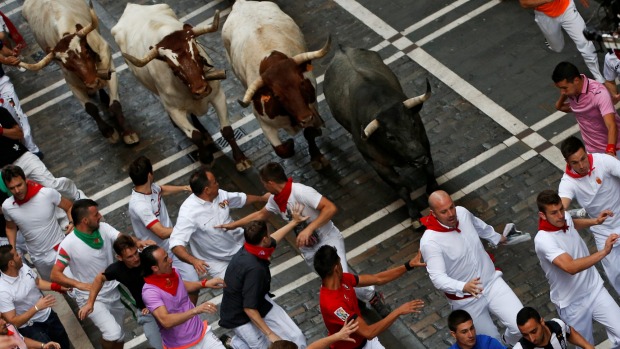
<point>221,142</point>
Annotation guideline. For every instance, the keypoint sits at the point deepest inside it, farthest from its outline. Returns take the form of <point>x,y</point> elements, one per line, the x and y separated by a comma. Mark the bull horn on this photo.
<point>210,29</point>
<point>370,128</point>
<point>308,56</point>
<point>412,102</point>
<point>141,62</point>
<point>215,75</point>
<point>94,23</point>
<point>40,64</point>
<point>249,93</point>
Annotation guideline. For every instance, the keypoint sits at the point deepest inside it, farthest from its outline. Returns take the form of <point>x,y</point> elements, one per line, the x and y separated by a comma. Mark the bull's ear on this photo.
<point>187,27</point>
<point>78,27</point>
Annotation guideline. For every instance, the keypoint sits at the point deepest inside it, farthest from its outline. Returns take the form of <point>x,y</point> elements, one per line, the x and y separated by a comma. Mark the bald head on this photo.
<point>442,207</point>
<point>437,198</point>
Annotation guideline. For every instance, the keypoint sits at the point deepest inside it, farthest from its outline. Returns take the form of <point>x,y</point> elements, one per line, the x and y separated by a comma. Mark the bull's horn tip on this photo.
<point>243,104</point>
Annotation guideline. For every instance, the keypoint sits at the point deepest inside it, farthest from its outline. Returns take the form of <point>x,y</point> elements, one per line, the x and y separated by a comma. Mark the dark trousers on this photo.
<point>51,330</point>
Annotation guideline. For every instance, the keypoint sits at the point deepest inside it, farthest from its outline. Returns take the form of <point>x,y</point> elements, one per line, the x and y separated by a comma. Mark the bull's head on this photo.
<point>75,55</point>
<point>185,57</point>
<point>399,129</point>
<point>282,88</point>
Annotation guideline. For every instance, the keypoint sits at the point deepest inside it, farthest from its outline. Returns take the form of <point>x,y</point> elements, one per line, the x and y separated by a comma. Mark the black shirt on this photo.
<point>10,149</point>
<point>248,280</point>
<point>129,277</point>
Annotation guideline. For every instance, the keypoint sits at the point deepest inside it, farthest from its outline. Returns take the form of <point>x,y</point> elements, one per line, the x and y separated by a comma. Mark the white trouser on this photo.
<point>186,270</point>
<point>598,306</point>
<point>151,330</point>
<point>108,316</point>
<point>249,336</point>
<point>44,262</point>
<point>611,262</point>
<point>373,344</point>
<point>499,299</point>
<point>7,92</point>
<point>208,341</point>
<point>335,239</point>
<point>35,170</point>
<point>573,24</point>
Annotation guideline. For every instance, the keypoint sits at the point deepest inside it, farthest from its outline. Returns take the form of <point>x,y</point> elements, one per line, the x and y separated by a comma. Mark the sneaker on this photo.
<point>378,304</point>
<point>514,236</point>
<point>578,213</point>
<point>227,341</point>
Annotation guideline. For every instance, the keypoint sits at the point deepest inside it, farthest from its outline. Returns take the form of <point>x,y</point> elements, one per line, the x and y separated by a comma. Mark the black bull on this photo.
<point>366,98</point>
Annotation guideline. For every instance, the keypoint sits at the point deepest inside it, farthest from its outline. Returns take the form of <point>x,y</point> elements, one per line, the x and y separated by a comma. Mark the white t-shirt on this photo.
<point>20,293</point>
<point>453,258</point>
<point>145,211</point>
<point>86,262</point>
<point>308,197</point>
<point>565,288</point>
<point>196,222</point>
<point>553,341</point>
<point>36,220</point>
<point>611,68</point>
<point>597,192</point>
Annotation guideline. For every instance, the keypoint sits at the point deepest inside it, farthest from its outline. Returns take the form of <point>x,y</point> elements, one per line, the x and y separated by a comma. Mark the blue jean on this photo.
<point>151,330</point>
<point>51,330</point>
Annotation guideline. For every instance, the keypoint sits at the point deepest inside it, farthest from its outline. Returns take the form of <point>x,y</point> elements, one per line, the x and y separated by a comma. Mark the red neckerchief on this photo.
<point>432,223</point>
<point>569,171</point>
<point>33,189</point>
<point>260,252</point>
<point>281,198</point>
<point>543,224</point>
<point>166,282</point>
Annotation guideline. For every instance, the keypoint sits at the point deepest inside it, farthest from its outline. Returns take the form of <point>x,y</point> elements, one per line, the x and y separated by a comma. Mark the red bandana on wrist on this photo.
<point>33,189</point>
<point>431,222</point>
<point>543,224</point>
<point>569,171</point>
<point>281,198</point>
<point>167,282</point>
<point>260,252</point>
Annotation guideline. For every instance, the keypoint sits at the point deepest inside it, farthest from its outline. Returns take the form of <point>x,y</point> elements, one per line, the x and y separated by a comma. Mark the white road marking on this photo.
<point>451,7</point>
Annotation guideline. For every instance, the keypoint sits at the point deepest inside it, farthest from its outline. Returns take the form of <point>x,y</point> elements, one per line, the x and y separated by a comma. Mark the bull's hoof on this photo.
<point>319,163</point>
<point>243,165</point>
<point>206,157</point>
<point>130,137</point>
<point>286,149</point>
<point>112,136</point>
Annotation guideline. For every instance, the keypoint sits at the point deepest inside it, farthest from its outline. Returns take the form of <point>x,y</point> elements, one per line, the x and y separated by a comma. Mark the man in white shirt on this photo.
<point>23,305</point>
<point>88,251</point>
<point>319,229</point>
<point>459,266</point>
<point>541,334</point>
<point>32,208</point>
<point>611,71</point>
<point>148,212</point>
<point>576,288</point>
<point>594,181</point>
<point>210,248</point>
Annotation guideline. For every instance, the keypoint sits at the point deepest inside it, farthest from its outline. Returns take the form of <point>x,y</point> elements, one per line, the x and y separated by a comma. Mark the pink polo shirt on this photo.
<point>589,108</point>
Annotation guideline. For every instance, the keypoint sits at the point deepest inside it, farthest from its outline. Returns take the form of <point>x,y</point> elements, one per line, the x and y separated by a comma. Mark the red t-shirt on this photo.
<point>554,8</point>
<point>339,305</point>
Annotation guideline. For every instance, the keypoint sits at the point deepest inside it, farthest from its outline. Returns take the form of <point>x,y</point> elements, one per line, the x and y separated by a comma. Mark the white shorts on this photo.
<point>208,341</point>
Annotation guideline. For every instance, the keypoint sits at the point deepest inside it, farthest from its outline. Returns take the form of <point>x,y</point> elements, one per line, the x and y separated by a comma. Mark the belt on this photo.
<point>457,298</point>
